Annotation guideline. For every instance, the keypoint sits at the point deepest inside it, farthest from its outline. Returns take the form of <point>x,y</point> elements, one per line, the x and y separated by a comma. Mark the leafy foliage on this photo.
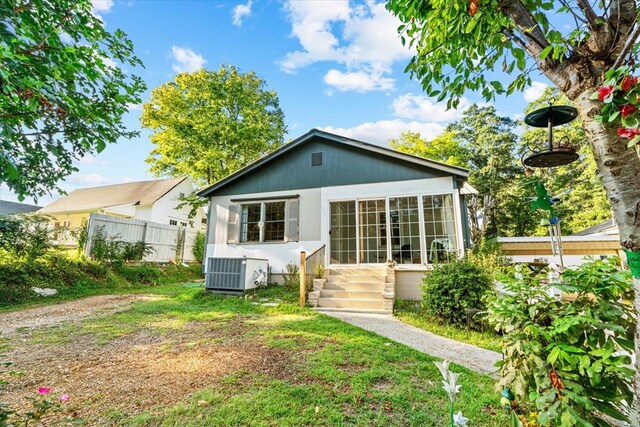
<point>110,250</point>
<point>570,359</point>
<point>198,246</point>
<point>61,97</point>
<point>451,288</point>
<point>208,124</point>
<point>444,148</point>
<point>291,275</point>
<point>26,236</point>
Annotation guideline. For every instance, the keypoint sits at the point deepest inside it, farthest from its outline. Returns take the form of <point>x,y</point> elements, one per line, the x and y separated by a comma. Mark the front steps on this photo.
<point>362,289</point>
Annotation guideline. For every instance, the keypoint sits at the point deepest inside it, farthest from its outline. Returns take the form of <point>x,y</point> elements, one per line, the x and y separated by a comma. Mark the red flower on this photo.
<point>628,133</point>
<point>44,390</point>
<point>627,110</point>
<point>628,82</point>
<point>604,92</point>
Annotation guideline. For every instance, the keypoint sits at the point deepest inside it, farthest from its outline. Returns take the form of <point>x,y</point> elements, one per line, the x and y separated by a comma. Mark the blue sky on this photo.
<point>336,65</point>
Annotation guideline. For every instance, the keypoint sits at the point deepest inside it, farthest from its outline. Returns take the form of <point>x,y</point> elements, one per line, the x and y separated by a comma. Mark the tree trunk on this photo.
<point>619,168</point>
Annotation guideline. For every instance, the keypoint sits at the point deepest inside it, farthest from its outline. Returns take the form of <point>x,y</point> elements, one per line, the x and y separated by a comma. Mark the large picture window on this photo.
<point>404,216</point>
<point>262,222</point>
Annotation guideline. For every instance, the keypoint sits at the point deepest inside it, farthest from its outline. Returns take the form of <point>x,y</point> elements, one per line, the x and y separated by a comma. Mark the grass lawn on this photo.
<point>187,358</point>
<point>409,313</point>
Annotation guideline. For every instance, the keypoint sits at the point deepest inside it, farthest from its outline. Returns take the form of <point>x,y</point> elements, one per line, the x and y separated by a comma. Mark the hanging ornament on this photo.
<point>473,7</point>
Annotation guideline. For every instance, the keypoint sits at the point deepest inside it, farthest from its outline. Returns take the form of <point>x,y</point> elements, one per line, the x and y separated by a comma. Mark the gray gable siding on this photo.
<point>341,165</point>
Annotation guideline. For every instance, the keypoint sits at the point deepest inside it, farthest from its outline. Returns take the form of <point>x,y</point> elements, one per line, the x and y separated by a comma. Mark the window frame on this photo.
<point>262,221</point>
<point>424,251</point>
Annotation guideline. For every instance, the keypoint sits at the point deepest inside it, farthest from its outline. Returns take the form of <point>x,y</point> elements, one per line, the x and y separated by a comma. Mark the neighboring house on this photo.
<point>605,228</point>
<point>363,203</point>
<point>14,208</point>
<point>155,201</point>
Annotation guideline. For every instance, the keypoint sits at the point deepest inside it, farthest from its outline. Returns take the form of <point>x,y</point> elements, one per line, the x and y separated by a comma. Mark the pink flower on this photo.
<point>44,390</point>
<point>64,397</point>
<point>627,110</point>
<point>604,92</point>
<point>628,133</point>
<point>628,82</point>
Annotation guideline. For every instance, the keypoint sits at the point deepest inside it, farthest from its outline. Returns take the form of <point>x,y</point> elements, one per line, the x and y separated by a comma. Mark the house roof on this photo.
<point>416,160</point>
<point>607,227</point>
<point>142,193</point>
<point>10,208</point>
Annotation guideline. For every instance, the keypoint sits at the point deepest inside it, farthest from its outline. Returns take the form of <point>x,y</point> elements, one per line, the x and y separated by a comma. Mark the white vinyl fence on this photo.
<point>164,239</point>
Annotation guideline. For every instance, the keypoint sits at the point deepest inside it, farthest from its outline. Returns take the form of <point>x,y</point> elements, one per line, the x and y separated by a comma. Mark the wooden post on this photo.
<point>303,278</point>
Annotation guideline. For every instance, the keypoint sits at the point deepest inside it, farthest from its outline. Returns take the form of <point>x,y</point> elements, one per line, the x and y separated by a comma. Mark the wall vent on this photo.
<point>316,159</point>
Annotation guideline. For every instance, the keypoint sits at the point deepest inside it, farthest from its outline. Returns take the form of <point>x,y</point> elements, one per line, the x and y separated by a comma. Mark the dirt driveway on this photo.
<point>50,315</point>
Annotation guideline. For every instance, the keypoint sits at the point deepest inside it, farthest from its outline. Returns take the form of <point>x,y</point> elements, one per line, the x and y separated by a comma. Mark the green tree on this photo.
<point>61,96</point>
<point>443,148</point>
<point>208,124</point>
<point>491,146</point>
<point>459,44</point>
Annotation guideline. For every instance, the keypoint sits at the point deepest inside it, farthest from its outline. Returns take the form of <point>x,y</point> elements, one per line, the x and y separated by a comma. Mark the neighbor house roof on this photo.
<point>10,208</point>
<point>605,228</point>
<point>420,161</point>
<point>141,193</point>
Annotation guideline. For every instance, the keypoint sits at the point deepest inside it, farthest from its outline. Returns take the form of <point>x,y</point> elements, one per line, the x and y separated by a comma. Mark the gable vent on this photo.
<point>316,159</point>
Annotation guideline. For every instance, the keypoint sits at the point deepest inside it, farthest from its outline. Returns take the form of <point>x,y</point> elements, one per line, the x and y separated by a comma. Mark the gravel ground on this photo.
<point>467,355</point>
<point>73,310</point>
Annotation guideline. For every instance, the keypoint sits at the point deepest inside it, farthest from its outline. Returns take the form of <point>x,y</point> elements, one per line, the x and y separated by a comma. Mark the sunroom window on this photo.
<point>439,227</point>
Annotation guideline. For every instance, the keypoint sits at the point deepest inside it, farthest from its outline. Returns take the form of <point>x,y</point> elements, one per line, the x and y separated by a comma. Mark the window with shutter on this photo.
<point>293,220</point>
<point>232,225</point>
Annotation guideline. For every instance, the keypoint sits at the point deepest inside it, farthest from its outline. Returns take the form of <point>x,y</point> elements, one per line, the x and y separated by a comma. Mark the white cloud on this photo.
<point>94,179</point>
<point>186,60</point>
<point>90,160</point>
<point>134,107</point>
<point>358,81</point>
<point>421,107</point>
<point>241,11</point>
<point>535,91</point>
<point>380,132</point>
<point>102,6</point>
<point>361,37</point>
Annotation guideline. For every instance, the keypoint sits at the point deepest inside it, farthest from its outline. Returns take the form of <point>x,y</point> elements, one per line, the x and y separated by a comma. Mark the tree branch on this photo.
<point>628,44</point>
<point>589,14</point>
<point>526,25</point>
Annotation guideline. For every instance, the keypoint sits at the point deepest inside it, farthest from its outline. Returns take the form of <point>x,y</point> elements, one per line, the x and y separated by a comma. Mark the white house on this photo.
<point>155,200</point>
<point>364,206</point>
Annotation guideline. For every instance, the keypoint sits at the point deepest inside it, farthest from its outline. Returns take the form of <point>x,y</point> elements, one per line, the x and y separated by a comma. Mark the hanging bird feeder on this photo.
<point>560,152</point>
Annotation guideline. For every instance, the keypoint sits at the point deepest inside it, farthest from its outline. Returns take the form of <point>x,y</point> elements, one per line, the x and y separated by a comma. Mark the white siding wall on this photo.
<point>278,254</point>
<point>313,220</point>
<point>165,208</point>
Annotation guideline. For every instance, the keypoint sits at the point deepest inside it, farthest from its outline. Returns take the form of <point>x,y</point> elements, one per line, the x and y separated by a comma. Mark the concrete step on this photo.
<point>354,278</point>
<point>349,286</point>
<point>351,310</point>
<point>333,293</point>
<point>367,304</point>
<point>356,271</point>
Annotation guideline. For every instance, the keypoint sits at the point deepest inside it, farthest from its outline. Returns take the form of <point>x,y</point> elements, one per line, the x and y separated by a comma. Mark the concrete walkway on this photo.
<point>467,355</point>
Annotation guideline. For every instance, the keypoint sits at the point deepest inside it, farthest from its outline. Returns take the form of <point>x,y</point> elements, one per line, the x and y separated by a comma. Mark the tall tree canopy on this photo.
<point>208,124</point>
<point>62,96</point>
<point>460,43</point>
<point>443,148</point>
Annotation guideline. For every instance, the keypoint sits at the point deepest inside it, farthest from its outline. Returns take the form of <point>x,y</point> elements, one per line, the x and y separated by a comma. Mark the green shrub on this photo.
<point>569,359</point>
<point>451,288</point>
<point>27,236</point>
<point>198,246</point>
<point>489,256</point>
<point>291,275</point>
<point>143,274</point>
<point>112,251</point>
